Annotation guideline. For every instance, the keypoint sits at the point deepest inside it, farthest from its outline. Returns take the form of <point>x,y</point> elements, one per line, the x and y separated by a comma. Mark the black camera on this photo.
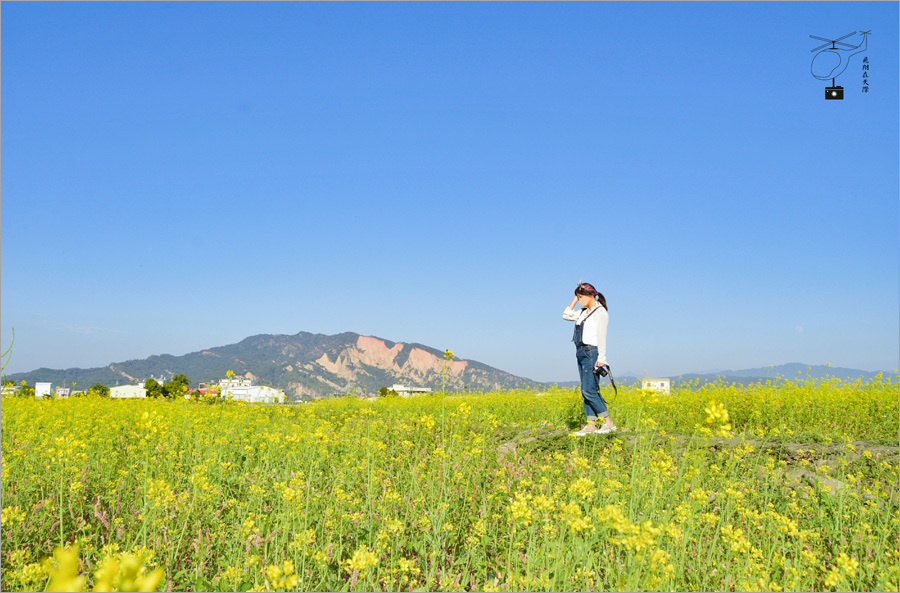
<point>834,92</point>
<point>602,370</point>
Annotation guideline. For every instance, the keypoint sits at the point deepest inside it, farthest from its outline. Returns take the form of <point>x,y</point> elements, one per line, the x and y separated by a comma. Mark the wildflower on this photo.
<point>394,526</point>
<point>408,566</point>
<point>519,508</point>
<point>231,574</point>
<point>833,577</point>
<point>659,558</point>
<point>583,487</point>
<point>736,538</point>
<point>848,565</point>
<point>716,414</point>
<point>128,575</point>
<point>65,576</point>
<point>673,532</point>
<point>11,514</point>
<point>361,560</point>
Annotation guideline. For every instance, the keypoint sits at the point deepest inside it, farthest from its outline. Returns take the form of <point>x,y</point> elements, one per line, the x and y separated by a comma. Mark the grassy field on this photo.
<point>793,487</point>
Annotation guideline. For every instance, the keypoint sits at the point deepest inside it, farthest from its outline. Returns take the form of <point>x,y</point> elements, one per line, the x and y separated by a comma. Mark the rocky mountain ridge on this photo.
<point>304,365</point>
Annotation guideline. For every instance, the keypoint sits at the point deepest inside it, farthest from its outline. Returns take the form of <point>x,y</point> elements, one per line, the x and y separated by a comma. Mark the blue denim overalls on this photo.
<point>594,404</point>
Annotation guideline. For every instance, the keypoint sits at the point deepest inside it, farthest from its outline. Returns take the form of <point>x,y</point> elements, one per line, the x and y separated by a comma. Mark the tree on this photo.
<point>179,378</point>
<point>98,389</point>
<point>154,389</point>
<point>177,386</point>
<point>385,392</point>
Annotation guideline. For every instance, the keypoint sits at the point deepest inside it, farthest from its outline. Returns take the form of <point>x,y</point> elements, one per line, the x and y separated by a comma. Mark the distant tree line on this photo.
<point>175,387</point>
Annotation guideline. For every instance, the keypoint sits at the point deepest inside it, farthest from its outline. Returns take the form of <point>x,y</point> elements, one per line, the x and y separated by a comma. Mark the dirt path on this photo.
<point>795,474</point>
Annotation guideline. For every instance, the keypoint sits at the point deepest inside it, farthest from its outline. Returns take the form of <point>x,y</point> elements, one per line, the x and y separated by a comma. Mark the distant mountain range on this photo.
<point>789,371</point>
<point>783,372</point>
<point>313,366</point>
<point>305,366</point>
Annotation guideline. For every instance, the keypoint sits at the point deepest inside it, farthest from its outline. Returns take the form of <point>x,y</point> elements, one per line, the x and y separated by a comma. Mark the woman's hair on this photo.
<point>588,289</point>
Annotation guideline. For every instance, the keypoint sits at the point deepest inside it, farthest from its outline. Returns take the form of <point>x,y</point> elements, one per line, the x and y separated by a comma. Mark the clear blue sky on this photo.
<point>178,176</point>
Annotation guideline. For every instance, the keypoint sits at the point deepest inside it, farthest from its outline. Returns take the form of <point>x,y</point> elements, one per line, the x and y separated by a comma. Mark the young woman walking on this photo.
<point>590,351</point>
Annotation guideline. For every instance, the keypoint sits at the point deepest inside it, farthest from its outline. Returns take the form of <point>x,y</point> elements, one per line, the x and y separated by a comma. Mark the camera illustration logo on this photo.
<point>830,62</point>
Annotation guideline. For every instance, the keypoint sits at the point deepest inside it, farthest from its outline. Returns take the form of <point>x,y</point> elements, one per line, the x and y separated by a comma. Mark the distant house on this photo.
<point>658,385</point>
<point>62,392</point>
<point>43,389</point>
<point>202,389</point>
<point>242,389</point>
<point>408,390</point>
<point>128,392</point>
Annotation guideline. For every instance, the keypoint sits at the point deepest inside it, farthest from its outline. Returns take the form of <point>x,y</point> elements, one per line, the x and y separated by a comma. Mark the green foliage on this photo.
<point>98,389</point>
<point>154,389</point>
<point>176,387</point>
<point>385,392</point>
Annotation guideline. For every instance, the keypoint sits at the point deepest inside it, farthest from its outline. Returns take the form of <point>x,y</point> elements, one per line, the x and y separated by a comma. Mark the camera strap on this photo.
<point>575,337</point>
<point>599,371</point>
<point>611,380</point>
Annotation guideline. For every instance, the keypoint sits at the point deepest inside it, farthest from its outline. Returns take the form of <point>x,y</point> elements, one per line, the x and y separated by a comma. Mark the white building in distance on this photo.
<point>234,382</point>
<point>408,390</point>
<point>43,389</point>
<point>128,392</point>
<point>241,389</point>
<point>658,385</point>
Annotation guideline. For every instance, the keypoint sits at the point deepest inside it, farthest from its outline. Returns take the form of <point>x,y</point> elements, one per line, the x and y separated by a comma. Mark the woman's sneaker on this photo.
<point>607,430</point>
<point>586,430</point>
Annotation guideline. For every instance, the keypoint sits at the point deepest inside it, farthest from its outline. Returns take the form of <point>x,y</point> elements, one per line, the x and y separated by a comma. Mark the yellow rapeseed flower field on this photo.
<point>784,486</point>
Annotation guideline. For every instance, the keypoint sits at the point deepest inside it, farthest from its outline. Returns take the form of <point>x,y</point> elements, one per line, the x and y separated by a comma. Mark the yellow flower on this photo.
<point>394,526</point>
<point>65,576</point>
<point>408,566</point>
<point>848,565</point>
<point>11,514</point>
<point>716,414</point>
<point>362,559</point>
<point>231,574</point>
<point>833,578</point>
<point>129,575</point>
<point>583,487</point>
<point>519,508</point>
